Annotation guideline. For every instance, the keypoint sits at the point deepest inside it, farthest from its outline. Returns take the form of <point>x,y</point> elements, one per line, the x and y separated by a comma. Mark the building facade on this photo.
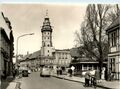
<point>113,32</point>
<point>83,63</point>
<point>31,61</point>
<point>6,46</point>
<point>62,58</point>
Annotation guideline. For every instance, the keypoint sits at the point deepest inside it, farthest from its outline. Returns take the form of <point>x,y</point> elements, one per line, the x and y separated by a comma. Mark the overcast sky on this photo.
<point>28,18</point>
<point>64,1</point>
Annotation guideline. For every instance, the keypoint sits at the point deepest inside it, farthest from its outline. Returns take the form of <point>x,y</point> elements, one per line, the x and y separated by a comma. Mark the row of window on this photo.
<point>63,55</point>
<point>46,45</point>
<point>46,33</point>
<point>46,37</point>
<point>47,25</point>
<point>86,67</point>
<point>57,62</point>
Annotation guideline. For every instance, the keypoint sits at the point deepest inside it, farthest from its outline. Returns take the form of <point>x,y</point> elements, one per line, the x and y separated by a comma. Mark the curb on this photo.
<point>79,81</point>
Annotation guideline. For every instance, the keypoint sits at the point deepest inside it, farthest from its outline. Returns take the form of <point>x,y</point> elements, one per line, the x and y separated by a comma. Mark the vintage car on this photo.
<point>45,71</point>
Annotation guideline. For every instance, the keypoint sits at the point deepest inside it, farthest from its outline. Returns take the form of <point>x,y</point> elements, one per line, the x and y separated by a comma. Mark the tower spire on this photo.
<point>47,13</point>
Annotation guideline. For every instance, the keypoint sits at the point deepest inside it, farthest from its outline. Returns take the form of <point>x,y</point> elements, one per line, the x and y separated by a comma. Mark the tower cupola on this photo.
<point>46,24</point>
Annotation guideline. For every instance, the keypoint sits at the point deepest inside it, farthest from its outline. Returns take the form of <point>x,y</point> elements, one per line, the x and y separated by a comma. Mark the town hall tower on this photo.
<point>46,49</point>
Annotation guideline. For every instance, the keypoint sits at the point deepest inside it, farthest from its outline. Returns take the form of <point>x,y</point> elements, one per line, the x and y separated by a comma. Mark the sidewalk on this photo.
<point>10,83</point>
<point>103,84</point>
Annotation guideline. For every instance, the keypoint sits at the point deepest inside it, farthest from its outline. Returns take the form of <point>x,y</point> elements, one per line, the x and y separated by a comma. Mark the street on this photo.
<point>34,81</point>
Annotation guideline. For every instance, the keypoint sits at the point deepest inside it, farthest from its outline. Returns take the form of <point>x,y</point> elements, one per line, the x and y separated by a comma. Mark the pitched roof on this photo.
<point>62,49</point>
<point>35,54</point>
<point>114,23</point>
<point>86,60</point>
<point>25,57</point>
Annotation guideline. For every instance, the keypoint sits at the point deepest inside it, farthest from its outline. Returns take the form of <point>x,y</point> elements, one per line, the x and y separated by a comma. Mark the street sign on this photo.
<point>72,67</point>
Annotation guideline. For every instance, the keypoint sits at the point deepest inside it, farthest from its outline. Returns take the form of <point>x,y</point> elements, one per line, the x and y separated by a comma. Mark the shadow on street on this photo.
<point>5,83</point>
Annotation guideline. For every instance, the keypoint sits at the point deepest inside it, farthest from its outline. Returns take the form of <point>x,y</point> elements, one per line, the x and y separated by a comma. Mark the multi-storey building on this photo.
<point>6,46</point>
<point>62,58</point>
<point>31,61</point>
<point>113,32</point>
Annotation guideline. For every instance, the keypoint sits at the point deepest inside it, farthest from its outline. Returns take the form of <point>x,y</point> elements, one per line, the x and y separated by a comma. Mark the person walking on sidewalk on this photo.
<point>14,73</point>
<point>70,72</point>
<point>87,79</point>
<point>97,75</point>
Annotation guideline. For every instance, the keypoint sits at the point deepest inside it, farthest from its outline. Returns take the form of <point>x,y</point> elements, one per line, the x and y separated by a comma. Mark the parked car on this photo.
<point>25,73</point>
<point>45,71</point>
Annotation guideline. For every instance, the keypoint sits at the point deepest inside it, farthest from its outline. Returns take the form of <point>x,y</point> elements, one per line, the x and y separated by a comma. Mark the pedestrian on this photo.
<point>14,73</point>
<point>97,75</point>
<point>87,78</point>
<point>70,72</point>
<point>103,73</point>
<point>58,71</point>
<point>4,74</point>
<point>106,73</point>
<point>94,83</point>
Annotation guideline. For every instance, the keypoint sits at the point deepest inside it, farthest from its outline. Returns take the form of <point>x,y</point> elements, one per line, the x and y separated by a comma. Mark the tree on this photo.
<point>114,13</point>
<point>94,39</point>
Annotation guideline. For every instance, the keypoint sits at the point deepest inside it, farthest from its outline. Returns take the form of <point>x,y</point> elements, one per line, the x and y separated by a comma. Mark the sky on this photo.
<point>28,18</point>
<point>64,1</point>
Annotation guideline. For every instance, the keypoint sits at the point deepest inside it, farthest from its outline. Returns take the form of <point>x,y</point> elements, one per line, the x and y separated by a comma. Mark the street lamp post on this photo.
<point>17,44</point>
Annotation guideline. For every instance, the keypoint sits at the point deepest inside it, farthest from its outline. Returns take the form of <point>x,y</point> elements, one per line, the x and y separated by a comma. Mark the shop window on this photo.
<point>85,67</point>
